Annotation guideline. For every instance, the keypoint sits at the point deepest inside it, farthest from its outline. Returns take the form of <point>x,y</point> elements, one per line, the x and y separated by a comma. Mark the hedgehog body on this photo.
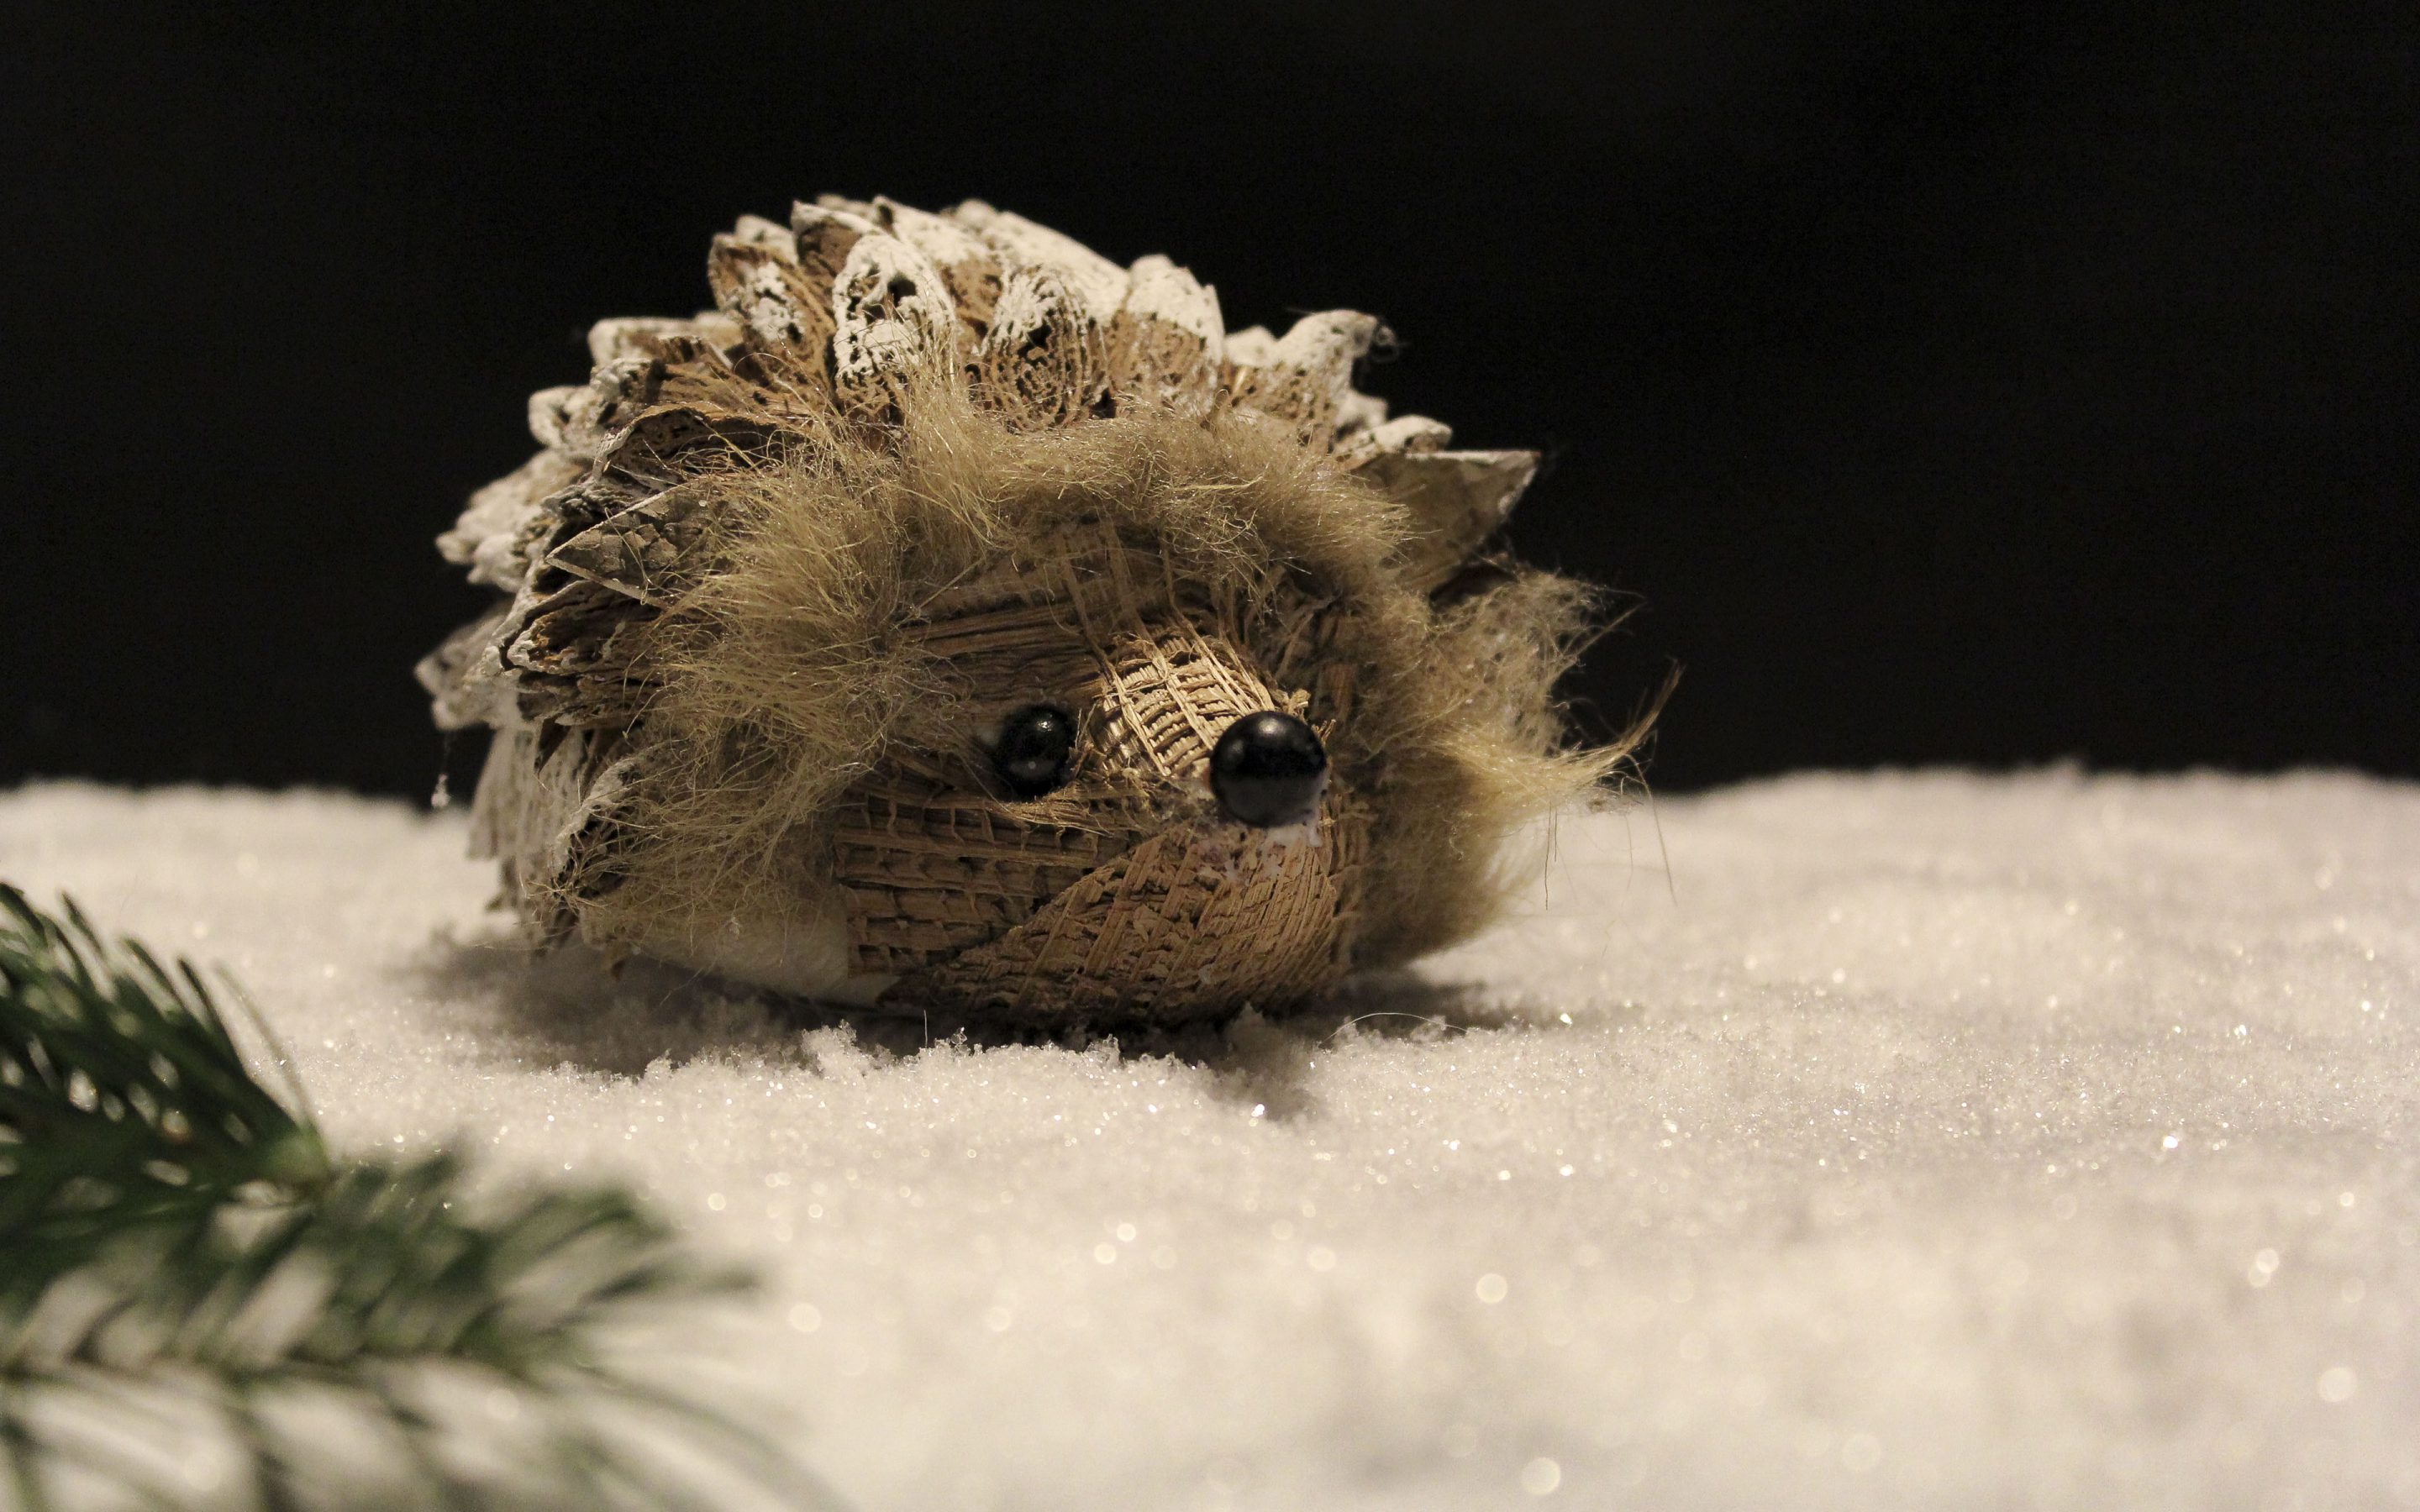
<point>953,618</point>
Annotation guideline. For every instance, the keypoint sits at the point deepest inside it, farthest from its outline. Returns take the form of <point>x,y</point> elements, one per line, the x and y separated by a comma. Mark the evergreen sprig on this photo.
<point>172,1231</point>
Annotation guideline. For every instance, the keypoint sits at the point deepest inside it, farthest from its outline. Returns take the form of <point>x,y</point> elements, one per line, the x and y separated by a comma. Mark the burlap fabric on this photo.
<point>780,570</point>
<point>1124,891</point>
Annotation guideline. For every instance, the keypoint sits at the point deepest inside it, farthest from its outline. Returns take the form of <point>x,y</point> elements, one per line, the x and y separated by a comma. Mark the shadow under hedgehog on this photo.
<point>953,619</point>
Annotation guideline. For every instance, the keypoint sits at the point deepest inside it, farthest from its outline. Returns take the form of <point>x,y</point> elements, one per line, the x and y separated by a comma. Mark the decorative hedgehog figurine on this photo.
<point>953,619</point>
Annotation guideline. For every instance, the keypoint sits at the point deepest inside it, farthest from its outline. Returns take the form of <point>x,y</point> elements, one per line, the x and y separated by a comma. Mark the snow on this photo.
<point>1926,1139</point>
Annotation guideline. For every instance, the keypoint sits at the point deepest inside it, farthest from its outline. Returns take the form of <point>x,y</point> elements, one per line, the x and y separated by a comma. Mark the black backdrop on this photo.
<point>1950,382</point>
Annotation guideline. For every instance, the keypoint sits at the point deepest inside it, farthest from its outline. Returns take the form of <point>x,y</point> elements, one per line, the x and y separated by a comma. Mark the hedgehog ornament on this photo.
<point>952,619</point>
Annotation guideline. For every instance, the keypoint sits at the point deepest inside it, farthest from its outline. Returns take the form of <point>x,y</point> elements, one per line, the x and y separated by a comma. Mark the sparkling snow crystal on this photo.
<point>1931,1140</point>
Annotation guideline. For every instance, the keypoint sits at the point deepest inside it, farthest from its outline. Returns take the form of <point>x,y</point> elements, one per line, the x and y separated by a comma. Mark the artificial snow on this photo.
<point>1929,1139</point>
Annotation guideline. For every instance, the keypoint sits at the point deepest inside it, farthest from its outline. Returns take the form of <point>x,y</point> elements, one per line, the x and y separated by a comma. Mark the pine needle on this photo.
<point>179,1247</point>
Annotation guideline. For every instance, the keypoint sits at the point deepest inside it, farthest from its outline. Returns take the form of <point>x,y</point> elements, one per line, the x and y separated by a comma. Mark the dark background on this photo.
<point>1950,382</point>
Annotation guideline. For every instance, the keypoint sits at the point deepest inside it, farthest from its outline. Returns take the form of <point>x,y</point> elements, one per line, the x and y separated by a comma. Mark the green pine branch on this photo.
<point>172,1231</point>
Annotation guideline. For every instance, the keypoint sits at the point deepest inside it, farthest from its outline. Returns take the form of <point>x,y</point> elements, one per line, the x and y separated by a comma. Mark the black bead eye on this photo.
<point>1269,770</point>
<point>1034,747</point>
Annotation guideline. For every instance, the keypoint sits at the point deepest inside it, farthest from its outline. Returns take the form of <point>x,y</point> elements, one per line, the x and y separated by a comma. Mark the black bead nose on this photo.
<point>1269,770</point>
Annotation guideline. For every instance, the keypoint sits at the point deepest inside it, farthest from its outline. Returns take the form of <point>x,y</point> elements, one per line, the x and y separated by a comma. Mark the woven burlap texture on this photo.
<point>781,569</point>
<point>1107,896</point>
